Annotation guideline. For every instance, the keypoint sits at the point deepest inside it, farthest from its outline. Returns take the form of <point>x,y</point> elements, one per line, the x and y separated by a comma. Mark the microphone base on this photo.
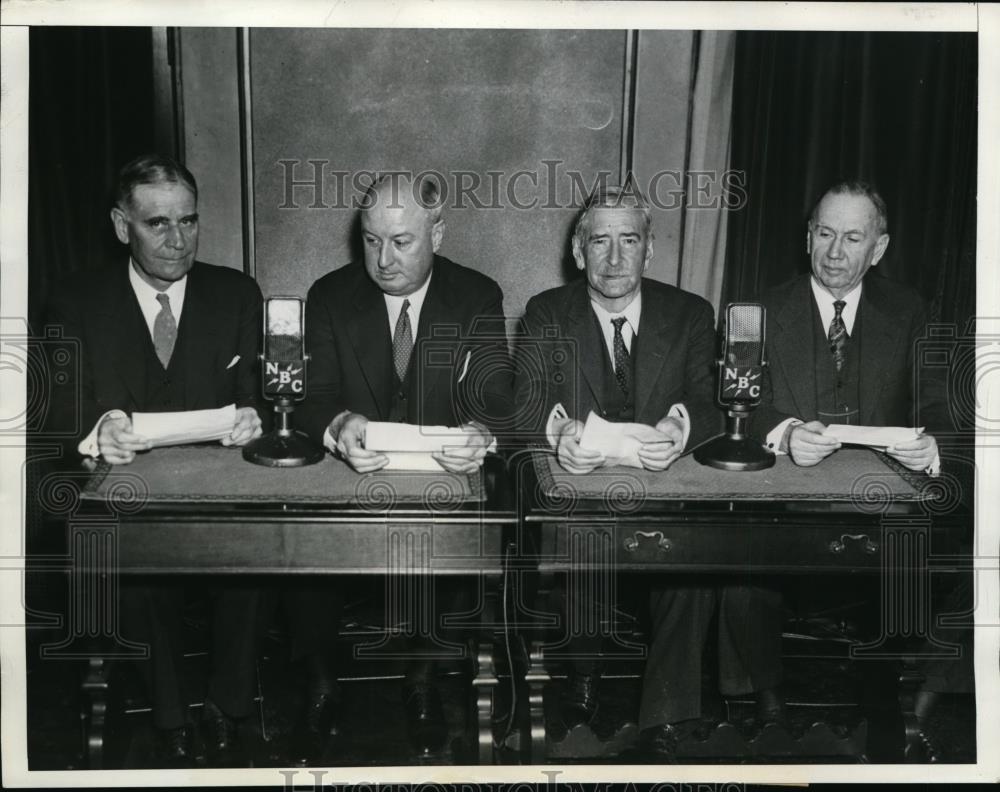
<point>727,452</point>
<point>283,449</point>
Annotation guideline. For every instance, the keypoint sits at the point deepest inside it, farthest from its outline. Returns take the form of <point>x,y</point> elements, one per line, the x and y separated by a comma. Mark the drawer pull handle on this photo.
<point>838,546</point>
<point>632,542</point>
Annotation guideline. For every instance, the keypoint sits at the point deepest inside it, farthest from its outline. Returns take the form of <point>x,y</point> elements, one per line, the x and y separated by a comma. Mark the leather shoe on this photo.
<point>579,701</point>
<point>219,732</point>
<point>316,727</point>
<point>658,744</point>
<point>176,747</point>
<point>771,707</point>
<point>425,723</point>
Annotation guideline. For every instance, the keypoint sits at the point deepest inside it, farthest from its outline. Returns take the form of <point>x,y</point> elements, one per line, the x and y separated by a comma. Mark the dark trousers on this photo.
<point>153,613</point>
<point>428,610</point>
<point>749,646</point>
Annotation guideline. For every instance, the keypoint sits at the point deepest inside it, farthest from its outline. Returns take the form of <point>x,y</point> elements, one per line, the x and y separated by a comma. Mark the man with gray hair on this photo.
<point>366,324</point>
<point>629,349</point>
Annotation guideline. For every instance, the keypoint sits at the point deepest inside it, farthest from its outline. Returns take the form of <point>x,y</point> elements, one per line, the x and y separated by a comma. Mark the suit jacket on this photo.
<point>892,392</point>
<point>221,318</point>
<point>350,343</point>
<point>560,352</point>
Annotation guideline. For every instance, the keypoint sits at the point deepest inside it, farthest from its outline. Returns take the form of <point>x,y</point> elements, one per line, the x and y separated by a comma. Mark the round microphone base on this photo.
<point>288,449</point>
<point>734,453</point>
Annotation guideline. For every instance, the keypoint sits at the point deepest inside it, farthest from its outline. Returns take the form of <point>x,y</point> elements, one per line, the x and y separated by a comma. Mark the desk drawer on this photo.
<point>719,547</point>
<point>305,546</point>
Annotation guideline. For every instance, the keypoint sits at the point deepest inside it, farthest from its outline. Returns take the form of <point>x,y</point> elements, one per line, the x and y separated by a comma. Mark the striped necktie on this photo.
<point>837,335</point>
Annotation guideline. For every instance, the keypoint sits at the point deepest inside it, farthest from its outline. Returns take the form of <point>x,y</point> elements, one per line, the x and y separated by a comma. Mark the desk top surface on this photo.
<point>852,476</point>
<point>219,475</point>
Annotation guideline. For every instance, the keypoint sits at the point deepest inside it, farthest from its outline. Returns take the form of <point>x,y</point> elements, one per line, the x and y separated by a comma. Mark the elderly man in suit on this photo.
<point>841,348</point>
<point>629,349</point>
<point>164,332</point>
<point>370,327</point>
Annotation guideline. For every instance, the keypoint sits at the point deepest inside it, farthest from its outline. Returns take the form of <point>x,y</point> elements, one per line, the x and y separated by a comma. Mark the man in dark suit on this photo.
<point>841,349</point>
<point>407,336</point>
<point>160,333</point>
<point>629,349</point>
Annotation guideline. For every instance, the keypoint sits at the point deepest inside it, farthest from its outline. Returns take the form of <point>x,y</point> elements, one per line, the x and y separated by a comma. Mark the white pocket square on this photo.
<point>233,362</point>
<point>465,366</point>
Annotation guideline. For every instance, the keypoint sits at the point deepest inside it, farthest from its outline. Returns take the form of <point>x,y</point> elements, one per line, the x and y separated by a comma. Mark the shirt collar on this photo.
<point>146,293</point>
<point>394,302</point>
<point>631,313</point>
<point>851,299</point>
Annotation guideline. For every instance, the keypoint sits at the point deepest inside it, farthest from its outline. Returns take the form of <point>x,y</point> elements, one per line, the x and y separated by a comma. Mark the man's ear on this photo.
<point>120,223</point>
<point>649,254</point>
<point>880,246</point>
<point>437,234</point>
<point>581,263</point>
<point>809,242</point>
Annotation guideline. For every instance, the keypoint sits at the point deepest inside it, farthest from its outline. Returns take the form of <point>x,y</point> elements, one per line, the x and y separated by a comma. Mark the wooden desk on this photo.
<point>855,513</point>
<point>204,510</point>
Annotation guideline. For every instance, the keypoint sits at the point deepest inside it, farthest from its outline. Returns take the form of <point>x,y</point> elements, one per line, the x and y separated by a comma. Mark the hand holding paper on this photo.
<point>808,444</point>
<point>408,447</point>
<point>117,441</point>
<point>191,426</point>
<point>571,455</point>
<point>621,443</point>
<point>247,427</point>
<point>351,445</point>
<point>880,437</point>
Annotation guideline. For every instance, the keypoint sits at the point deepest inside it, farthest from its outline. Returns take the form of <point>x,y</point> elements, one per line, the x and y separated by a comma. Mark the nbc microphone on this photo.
<point>284,383</point>
<point>741,372</point>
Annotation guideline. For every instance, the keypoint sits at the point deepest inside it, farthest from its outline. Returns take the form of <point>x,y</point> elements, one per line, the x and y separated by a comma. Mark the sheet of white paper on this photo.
<point>619,442</point>
<point>191,426</point>
<point>874,436</point>
<point>409,447</point>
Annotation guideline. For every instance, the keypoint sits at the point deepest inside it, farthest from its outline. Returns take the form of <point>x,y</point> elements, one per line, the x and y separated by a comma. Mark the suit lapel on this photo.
<point>372,342</point>
<point>195,335</point>
<point>125,334</point>
<point>658,352</point>
<point>878,344</point>
<point>437,311</point>
<point>791,348</point>
<point>591,349</point>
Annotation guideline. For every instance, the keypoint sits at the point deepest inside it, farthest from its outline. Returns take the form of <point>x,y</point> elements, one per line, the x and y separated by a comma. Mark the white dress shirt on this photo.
<point>629,329</point>
<point>394,305</point>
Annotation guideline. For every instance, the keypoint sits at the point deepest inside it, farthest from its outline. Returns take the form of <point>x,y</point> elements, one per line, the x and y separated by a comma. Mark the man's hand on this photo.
<point>659,454</point>
<point>808,446</point>
<point>573,458</point>
<point>351,446</point>
<point>466,458</point>
<point>916,454</point>
<point>117,443</point>
<point>246,428</point>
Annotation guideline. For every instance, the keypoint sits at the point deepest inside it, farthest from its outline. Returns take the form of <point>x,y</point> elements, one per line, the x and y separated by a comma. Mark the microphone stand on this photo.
<point>735,450</point>
<point>283,446</point>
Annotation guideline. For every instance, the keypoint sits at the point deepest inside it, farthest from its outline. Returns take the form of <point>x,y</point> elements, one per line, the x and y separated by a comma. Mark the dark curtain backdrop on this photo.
<point>90,110</point>
<point>897,109</point>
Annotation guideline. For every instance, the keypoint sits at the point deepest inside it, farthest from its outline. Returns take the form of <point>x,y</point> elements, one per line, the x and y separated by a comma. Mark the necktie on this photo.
<point>837,335</point>
<point>164,330</point>
<point>621,354</point>
<point>402,342</point>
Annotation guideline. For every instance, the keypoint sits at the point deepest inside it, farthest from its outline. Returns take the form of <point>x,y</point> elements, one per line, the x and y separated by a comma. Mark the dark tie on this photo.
<point>164,330</point>
<point>621,354</point>
<point>402,342</point>
<point>837,335</point>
